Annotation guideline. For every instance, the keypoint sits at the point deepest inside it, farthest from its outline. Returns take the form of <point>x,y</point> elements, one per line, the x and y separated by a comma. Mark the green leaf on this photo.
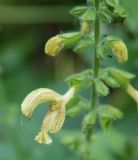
<point>122,77</point>
<point>89,120</point>
<point>104,13</point>
<point>78,11</point>
<point>105,16</point>
<point>83,45</point>
<point>72,139</point>
<point>101,52</point>
<point>105,123</point>
<point>70,35</point>
<point>111,4</point>
<point>89,15</point>
<point>71,38</point>
<point>119,14</point>
<point>81,80</point>
<point>108,113</point>
<point>104,76</point>
<point>111,82</point>
<point>101,88</point>
<point>76,106</point>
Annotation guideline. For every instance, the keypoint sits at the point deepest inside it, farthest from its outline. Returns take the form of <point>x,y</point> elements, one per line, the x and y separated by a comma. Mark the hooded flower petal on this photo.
<point>120,51</point>
<point>54,46</point>
<point>118,48</point>
<point>37,97</point>
<point>55,115</point>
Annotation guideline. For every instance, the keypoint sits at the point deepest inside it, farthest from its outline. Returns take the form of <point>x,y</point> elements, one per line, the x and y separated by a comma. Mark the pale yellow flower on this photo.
<point>55,115</point>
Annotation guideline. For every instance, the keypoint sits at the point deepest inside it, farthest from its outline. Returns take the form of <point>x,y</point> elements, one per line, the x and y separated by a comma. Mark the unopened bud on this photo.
<point>85,27</point>
<point>54,46</point>
<point>119,49</point>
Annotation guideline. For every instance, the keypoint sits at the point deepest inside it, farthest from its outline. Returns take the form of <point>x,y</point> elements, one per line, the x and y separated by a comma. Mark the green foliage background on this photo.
<point>25,26</point>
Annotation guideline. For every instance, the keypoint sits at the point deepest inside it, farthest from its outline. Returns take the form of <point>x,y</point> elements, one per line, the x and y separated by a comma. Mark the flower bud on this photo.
<point>85,27</point>
<point>54,46</point>
<point>119,49</point>
<point>57,43</point>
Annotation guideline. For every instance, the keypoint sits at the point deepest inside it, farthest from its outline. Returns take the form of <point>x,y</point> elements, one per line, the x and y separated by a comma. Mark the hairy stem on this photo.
<point>95,65</point>
<point>95,58</point>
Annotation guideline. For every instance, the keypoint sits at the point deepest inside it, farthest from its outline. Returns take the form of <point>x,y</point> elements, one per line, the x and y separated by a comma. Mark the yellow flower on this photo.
<point>54,46</point>
<point>55,115</point>
<point>85,27</point>
<point>132,92</point>
<point>120,51</point>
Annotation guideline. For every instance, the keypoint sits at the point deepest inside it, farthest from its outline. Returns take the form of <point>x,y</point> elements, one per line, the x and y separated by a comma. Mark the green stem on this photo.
<point>95,58</point>
<point>95,66</point>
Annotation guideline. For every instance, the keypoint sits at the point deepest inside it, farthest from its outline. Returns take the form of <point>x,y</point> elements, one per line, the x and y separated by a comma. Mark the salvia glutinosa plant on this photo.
<point>97,78</point>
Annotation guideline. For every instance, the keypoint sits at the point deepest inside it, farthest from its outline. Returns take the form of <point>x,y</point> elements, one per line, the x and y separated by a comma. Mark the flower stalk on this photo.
<point>95,65</point>
<point>96,58</point>
<point>98,79</point>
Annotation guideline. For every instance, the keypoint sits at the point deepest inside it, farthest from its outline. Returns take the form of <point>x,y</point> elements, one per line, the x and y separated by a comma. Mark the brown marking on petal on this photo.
<point>54,120</point>
<point>55,105</point>
<point>59,120</point>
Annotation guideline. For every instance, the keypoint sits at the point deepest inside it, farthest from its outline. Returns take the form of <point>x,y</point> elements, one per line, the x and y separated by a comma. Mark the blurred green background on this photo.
<point>25,26</point>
